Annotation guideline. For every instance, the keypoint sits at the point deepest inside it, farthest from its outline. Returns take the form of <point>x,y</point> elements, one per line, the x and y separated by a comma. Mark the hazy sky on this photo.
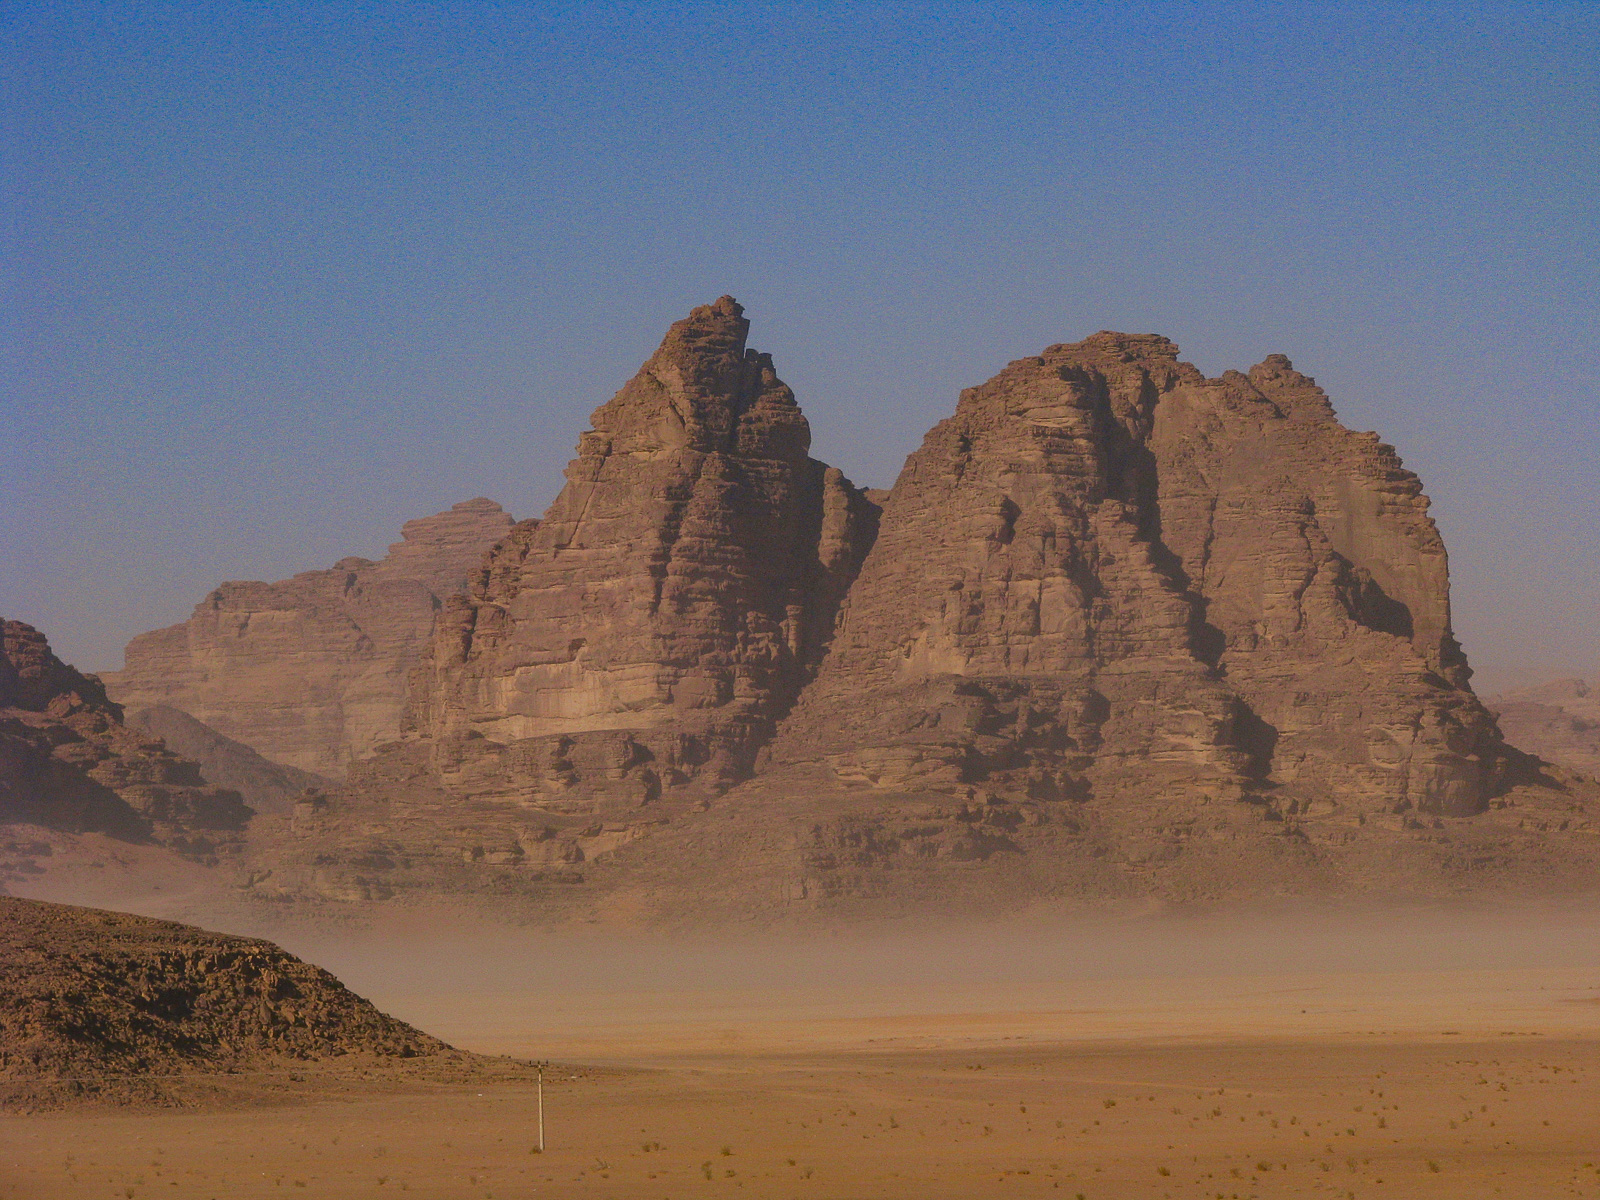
<point>280,277</point>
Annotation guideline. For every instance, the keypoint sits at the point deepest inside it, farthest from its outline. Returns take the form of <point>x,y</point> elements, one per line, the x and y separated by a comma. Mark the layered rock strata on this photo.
<point>1106,570</point>
<point>1120,630</point>
<point>1325,585</point>
<point>311,672</point>
<point>647,633</point>
<point>68,763</point>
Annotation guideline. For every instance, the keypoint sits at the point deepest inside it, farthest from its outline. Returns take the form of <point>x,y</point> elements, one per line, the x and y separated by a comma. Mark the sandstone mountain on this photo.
<point>102,1004</point>
<point>1559,721</point>
<point>1118,630</point>
<point>311,672</point>
<point>1105,563</point>
<point>69,763</point>
<point>648,633</point>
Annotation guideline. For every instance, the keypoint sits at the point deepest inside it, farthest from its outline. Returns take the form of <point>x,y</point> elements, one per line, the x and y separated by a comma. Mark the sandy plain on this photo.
<point>1418,1054</point>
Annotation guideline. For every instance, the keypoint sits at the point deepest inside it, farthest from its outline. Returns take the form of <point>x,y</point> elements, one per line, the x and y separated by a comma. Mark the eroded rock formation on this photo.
<point>1107,571</point>
<point>311,671</point>
<point>68,763</point>
<point>1120,630</point>
<point>652,628</point>
<point>266,786</point>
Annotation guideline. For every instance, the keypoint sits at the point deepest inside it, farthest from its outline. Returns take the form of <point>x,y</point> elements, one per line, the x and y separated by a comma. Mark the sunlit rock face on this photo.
<point>1327,586</point>
<point>1107,572</point>
<point>1119,631</point>
<point>648,632</point>
<point>311,672</point>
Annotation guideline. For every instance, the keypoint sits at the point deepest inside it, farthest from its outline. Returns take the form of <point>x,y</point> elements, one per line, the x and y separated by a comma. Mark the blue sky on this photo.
<point>280,277</point>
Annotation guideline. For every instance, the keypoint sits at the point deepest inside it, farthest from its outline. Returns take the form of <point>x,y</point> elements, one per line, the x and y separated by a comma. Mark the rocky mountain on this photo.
<point>649,632</point>
<point>103,1004</point>
<point>1559,722</point>
<point>69,763</point>
<point>1118,630</point>
<point>1105,563</point>
<point>311,672</point>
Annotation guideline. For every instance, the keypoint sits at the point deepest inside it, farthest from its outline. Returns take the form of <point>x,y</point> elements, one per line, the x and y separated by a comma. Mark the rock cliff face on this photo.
<point>651,629</point>
<point>1325,586</point>
<point>1560,722</point>
<point>1119,631</point>
<point>311,671</point>
<point>67,761</point>
<point>1109,572</point>
<point>1016,626</point>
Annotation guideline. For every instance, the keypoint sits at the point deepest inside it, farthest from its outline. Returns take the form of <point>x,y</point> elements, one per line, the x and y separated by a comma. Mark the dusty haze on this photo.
<point>1425,1053</point>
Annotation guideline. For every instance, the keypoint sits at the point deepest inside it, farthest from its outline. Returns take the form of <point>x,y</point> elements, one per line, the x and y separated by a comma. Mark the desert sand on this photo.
<point>1419,1054</point>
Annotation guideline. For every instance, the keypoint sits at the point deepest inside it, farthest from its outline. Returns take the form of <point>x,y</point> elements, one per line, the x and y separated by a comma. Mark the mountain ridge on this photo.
<point>1118,630</point>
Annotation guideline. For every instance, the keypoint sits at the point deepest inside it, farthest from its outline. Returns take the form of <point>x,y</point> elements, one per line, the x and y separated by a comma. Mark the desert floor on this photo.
<point>1427,1055</point>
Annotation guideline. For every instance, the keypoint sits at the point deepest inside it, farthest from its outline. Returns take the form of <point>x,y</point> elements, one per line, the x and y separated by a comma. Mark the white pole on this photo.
<point>541,1108</point>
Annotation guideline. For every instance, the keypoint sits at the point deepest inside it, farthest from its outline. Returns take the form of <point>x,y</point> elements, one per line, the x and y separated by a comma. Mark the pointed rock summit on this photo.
<point>651,629</point>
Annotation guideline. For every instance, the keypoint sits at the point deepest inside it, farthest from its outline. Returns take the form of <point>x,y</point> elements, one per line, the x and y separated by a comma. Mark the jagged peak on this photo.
<point>1110,341</point>
<point>1276,378</point>
<point>714,331</point>
<point>700,391</point>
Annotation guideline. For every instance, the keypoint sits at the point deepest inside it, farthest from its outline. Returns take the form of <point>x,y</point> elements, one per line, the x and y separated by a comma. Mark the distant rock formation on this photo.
<point>103,1004</point>
<point>311,672</point>
<point>1559,722</point>
<point>649,632</point>
<point>1119,630</point>
<point>68,763</point>
<point>266,786</point>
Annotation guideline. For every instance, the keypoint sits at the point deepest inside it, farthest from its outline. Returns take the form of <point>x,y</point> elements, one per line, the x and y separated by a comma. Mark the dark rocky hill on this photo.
<point>107,1005</point>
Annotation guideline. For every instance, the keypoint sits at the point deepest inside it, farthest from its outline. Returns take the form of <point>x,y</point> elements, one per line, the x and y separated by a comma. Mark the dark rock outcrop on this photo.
<point>97,1003</point>
<point>68,763</point>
